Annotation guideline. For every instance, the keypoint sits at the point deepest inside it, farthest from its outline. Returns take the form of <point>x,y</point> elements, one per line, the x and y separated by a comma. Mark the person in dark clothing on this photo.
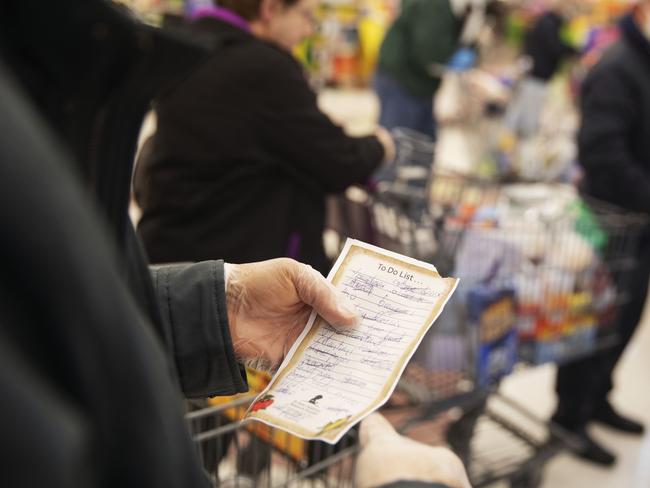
<point>614,151</point>
<point>242,145</point>
<point>545,46</point>
<point>413,54</point>
<point>546,49</point>
<point>96,347</point>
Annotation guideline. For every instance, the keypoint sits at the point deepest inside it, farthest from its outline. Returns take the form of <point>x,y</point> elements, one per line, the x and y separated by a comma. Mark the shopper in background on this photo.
<point>614,149</point>
<point>242,146</point>
<point>413,54</point>
<point>545,48</point>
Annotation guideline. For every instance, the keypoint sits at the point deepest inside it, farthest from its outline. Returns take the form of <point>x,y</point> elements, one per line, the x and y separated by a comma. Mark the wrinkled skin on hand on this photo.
<point>268,306</point>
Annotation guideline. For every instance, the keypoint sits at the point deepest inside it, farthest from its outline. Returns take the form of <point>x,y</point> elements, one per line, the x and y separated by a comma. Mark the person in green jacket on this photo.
<point>415,50</point>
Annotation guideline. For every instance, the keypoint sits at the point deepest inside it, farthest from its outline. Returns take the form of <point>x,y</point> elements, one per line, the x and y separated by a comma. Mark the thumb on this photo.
<point>327,301</point>
<point>373,427</point>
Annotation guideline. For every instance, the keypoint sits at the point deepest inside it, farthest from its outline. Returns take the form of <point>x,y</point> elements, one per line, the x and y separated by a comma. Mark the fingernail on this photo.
<point>347,308</point>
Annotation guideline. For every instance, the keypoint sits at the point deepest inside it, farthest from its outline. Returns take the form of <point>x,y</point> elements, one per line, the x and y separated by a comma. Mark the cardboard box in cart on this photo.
<point>562,328</point>
<point>294,447</point>
<point>492,315</point>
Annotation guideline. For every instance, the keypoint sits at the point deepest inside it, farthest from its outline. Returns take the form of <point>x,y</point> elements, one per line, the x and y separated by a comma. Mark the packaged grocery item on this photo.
<point>492,316</point>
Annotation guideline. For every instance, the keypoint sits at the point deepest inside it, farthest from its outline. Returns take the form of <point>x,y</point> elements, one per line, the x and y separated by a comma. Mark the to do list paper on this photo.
<point>333,378</point>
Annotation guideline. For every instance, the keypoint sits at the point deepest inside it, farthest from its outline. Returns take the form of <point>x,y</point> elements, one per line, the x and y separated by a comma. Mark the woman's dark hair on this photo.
<point>248,9</point>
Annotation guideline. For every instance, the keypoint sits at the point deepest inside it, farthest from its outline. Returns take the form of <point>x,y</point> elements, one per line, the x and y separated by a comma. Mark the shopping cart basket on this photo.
<point>348,214</point>
<point>246,454</point>
<point>562,258</point>
<point>542,276</point>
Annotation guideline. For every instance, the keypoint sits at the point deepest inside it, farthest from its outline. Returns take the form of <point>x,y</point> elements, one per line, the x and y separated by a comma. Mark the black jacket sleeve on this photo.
<point>305,139</point>
<point>608,113</point>
<point>86,393</point>
<point>195,323</point>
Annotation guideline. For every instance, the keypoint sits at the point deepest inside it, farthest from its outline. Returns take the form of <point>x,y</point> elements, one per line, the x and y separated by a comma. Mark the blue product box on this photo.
<point>493,318</point>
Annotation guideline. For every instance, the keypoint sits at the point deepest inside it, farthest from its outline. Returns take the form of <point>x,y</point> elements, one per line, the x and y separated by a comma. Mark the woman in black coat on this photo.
<point>242,146</point>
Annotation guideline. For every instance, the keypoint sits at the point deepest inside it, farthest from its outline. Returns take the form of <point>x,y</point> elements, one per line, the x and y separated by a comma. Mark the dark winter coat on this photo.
<point>243,158</point>
<point>93,351</point>
<point>545,46</point>
<point>614,139</point>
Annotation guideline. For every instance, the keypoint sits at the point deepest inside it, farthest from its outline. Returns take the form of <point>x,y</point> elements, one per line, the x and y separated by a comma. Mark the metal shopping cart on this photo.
<point>542,275</point>
<point>349,214</point>
<point>244,453</point>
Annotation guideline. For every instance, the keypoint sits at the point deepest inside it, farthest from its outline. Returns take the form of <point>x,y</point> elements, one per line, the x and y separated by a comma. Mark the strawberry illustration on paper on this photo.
<point>263,403</point>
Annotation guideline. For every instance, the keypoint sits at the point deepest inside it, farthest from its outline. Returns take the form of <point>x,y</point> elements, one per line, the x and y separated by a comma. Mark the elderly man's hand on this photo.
<point>387,457</point>
<point>269,303</point>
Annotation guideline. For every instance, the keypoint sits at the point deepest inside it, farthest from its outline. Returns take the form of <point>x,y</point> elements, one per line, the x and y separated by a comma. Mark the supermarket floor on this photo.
<point>534,389</point>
